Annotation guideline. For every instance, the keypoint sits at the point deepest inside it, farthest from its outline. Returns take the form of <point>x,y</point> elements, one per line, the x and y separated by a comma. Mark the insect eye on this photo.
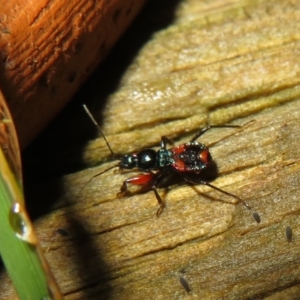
<point>205,157</point>
<point>128,162</point>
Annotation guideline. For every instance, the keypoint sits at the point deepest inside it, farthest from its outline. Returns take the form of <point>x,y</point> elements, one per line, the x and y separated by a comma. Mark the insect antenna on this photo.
<point>108,145</point>
<point>97,125</point>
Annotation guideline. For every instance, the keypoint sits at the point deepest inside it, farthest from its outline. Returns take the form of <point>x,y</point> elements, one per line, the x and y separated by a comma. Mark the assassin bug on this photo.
<point>186,159</point>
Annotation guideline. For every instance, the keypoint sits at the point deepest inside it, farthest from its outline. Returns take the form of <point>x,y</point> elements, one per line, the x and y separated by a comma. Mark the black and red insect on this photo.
<point>186,160</point>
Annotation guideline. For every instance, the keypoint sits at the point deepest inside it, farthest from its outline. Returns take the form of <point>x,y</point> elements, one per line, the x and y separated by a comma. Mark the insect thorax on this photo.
<point>164,158</point>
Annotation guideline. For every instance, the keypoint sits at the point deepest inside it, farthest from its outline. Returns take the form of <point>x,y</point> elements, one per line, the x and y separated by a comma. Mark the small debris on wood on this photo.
<point>185,284</point>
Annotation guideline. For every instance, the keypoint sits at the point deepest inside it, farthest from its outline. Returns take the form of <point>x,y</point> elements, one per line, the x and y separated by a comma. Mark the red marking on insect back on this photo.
<point>178,149</point>
<point>205,157</point>
<point>179,164</point>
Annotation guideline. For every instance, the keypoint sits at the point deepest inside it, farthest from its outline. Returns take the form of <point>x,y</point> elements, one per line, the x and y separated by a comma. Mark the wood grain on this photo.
<point>217,62</point>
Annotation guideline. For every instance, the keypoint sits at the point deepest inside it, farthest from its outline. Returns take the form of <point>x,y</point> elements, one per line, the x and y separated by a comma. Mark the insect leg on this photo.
<point>116,166</point>
<point>164,141</point>
<point>142,179</point>
<point>147,181</point>
<point>203,130</point>
<point>217,189</point>
<point>159,177</point>
<point>161,203</point>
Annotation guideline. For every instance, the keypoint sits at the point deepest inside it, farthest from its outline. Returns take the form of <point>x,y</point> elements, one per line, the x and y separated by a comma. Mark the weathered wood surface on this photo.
<point>237,63</point>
